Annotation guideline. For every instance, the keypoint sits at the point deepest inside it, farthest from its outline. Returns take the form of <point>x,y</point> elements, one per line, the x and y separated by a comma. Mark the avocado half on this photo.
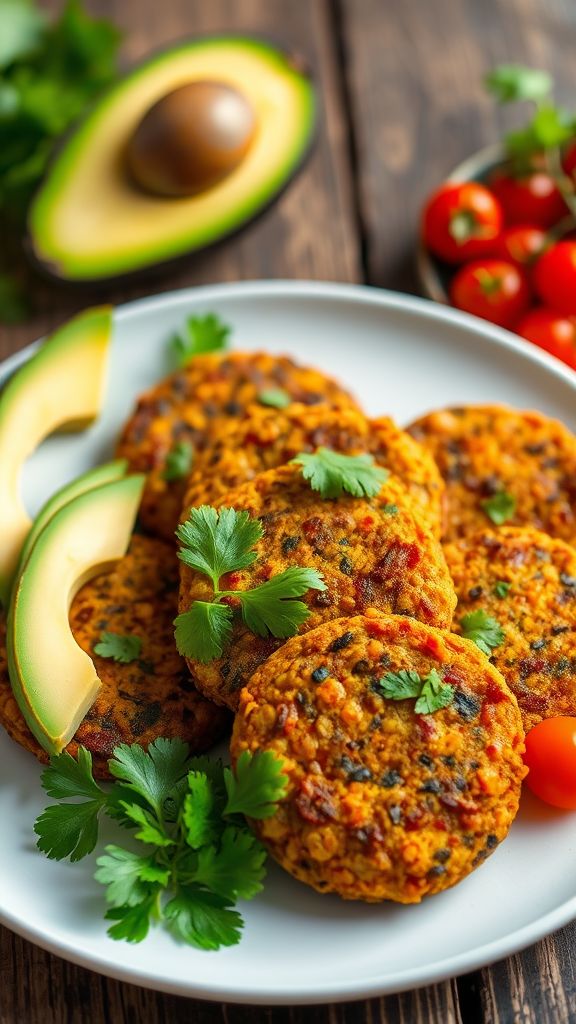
<point>90,222</point>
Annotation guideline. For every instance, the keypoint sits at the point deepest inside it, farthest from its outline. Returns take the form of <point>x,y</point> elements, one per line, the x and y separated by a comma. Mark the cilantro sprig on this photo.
<point>123,649</point>
<point>214,543</point>
<point>500,507</point>
<point>430,691</point>
<point>485,631</point>
<point>197,855</point>
<point>178,461</point>
<point>333,474</point>
<point>200,335</point>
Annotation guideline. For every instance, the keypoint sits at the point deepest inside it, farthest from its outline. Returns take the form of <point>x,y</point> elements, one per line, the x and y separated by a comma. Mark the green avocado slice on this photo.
<point>90,222</point>
<point>60,388</point>
<point>53,679</point>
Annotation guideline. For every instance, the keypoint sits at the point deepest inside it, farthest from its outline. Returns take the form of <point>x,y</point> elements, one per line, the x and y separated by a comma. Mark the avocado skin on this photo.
<point>49,269</point>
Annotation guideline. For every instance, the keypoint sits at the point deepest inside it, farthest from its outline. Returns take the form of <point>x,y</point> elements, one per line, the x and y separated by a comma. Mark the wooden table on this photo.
<point>402,103</point>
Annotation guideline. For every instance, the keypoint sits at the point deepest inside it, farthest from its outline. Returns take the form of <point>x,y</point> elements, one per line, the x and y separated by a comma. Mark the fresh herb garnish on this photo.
<point>483,630</point>
<point>511,82</point>
<point>277,398</point>
<point>333,474</point>
<point>201,334</point>
<point>500,507</point>
<point>124,649</point>
<point>390,509</point>
<point>501,588</point>
<point>178,461</point>
<point>218,542</point>
<point>430,691</point>
<point>199,856</point>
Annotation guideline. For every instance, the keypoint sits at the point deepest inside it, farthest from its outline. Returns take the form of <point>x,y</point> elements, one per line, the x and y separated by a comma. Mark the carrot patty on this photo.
<point>503,465</point>
<point>371,552</point>
<point>151,696</point>
<point>265,438</point>
<point>526,581</point>
<point>186,407</point>
<point>383,803</point>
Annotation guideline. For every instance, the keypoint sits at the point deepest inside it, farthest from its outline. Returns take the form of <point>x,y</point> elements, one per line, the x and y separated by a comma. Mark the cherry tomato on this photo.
<point>520,244</point>
<point>460,222</point>
<point>555,276</point>
<point>532,199</point>
<point>569,161</point>
<point>551,759</point>
<point>492,289</point>
<point>551,331</point>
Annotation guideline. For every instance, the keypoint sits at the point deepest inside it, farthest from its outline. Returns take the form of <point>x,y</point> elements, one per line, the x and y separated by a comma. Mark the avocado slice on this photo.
<point>88,481</point>
<point>60,388</point>
<point>90,221</point>
<point>53,679</point>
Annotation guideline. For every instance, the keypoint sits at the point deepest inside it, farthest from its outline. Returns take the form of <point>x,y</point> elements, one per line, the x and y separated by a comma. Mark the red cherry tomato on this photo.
<point>551,759</point>
<point>555,276</point>
<point>460,222</point>
<point>551,331</point>
<point>520,244</point>
<point>492,289</point>
<point>533,199</point>
<point>569,161</point>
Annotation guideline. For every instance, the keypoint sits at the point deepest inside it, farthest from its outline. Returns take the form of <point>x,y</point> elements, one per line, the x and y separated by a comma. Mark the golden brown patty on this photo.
<point>481,451</point>
<point>383,803</point>
<point>189,405</point>
<point>371,552</point>
<point>538,613</point>
<point>266,438</point>
<point>150,697</point>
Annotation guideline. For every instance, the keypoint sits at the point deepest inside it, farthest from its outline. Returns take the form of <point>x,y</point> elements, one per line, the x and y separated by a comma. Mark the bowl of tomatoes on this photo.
<point>498,237</point>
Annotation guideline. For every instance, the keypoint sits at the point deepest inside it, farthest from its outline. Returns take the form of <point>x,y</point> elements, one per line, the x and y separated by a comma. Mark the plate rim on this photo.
<point>376,985</point>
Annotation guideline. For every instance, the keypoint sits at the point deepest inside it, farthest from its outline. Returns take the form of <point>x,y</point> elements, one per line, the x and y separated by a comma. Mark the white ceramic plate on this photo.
<point>401,356</point>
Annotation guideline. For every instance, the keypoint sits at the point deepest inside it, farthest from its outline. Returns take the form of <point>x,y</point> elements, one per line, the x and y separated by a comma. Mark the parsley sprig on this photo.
<point>198,856</point>
<point>200,335</point>
<point>430,691</point>
<point>333,474</point>
<point>485,631</point>
<point>215,543</point>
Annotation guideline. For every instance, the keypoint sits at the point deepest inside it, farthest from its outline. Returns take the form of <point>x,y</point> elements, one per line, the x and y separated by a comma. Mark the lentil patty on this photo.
<point>483,450</point>
<point>150,697</point>
<point>538,613</point>
<point>266,438</point>
<point>383,803</point>
<point>371,552</point>
<point>188,406</point>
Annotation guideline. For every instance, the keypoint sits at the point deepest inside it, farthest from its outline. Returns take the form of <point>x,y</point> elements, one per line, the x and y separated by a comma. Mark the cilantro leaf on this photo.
<point>202,632</point>
<point>199,811</point>
<point>203,919</point>
<point>435,694</point>
<point>256,785</point>
<point>332,473</point>
<point>128,876</point>
<point>511,82</point>
<point>235,869</point>
<point>202,334</point>
<point>178,461</point>
<point>124,649</point>
<point>150,830</point>
<point>153,775</point>
<point>277,398</point>
<point>217,542</point>
<point>133,923</point>
<point>501,588</point>
<point>68,830</point>
<point>483,630</point>
<point>390,509</point>
<point>270,608</point>
<point>67,777</point>
<point>500,507</point>
<point>400,685</point>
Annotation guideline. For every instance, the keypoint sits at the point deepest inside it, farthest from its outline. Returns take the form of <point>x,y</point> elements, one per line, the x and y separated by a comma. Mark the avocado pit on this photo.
<point>191,139</point>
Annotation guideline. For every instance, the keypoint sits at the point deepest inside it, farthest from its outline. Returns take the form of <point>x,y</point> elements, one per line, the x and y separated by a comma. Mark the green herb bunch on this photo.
<point>194,855</point>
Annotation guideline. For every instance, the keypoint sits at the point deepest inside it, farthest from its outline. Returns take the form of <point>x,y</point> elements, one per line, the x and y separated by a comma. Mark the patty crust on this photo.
<point>527,582</point>
<point>265,438</point>
<point>482,451</point>
<point>152,696</point>
<point>189,405</point>
<point>383,803</point>
<point>372,552</point>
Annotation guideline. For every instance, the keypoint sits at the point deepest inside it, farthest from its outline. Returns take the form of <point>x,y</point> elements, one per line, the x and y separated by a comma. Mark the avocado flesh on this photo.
<point>90,222</point>
<point>87,482</point>
<point>61,387</point>
<point>53,679</point>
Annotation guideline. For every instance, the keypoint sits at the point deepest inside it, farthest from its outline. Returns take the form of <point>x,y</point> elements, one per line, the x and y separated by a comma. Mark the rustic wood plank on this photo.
<point>309,233</point>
